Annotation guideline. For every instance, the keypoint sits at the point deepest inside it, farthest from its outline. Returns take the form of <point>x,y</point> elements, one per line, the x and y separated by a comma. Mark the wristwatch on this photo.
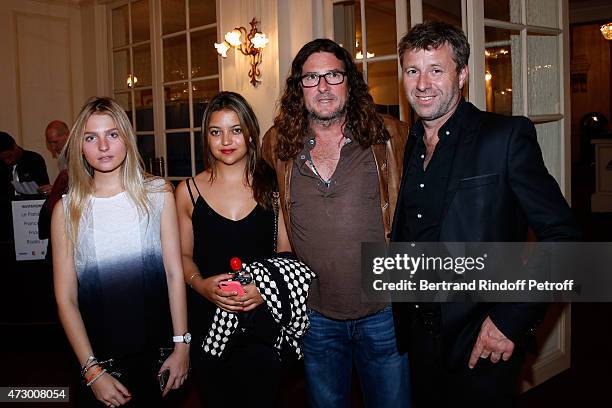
<point>185,338</point>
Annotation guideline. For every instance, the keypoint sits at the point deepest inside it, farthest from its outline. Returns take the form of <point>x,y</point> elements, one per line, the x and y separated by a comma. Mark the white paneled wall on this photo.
<point>289,24</point>
<point>41,74</point>
<point>44,77</point>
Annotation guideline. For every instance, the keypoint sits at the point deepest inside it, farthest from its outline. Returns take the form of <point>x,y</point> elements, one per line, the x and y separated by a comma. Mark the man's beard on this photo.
<point>329,118</point>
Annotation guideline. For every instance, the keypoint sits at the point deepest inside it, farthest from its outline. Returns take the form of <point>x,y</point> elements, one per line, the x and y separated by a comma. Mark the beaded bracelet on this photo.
<point>96,363</point>
<point>90,362</point>
<point>100,374</point>
<point>89,367</point>
<point>93,373</point>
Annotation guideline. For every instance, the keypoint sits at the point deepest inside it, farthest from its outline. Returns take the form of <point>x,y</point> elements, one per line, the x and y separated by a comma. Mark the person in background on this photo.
<point>56,135</point>
<point>338,165</point>
<point>117,268</point>
<point>21,173</point>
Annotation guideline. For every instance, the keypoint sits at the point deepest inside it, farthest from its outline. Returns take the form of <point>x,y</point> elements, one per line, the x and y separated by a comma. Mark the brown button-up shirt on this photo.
<point>329,221</point>
<point>388,158</point>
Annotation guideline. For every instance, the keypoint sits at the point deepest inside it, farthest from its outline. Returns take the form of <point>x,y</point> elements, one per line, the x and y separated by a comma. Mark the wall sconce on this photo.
<point>359,55</point>
<point>131,80</point>
<point>252,44</point>
<point>606,31</point>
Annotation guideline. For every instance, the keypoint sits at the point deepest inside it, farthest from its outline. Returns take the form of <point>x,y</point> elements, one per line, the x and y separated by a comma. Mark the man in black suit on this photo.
<point>469,176</point>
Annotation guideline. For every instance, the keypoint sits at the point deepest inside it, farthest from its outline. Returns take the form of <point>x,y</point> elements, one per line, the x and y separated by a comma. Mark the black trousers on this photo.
<point>435,383</point>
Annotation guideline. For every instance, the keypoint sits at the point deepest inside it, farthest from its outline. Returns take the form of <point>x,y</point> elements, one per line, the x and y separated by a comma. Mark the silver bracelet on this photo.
<point>91,361</point>
<point>96,377</point>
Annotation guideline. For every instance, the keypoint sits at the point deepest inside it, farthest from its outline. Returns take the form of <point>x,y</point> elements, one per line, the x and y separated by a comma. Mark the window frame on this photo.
<point>158,83</point>
<point>402,12</point>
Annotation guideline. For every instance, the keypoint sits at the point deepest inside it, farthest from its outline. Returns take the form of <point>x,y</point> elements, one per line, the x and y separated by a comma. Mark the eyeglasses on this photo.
<point>312,79</point>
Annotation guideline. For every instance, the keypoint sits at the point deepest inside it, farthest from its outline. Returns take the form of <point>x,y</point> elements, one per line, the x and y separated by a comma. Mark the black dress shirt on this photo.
<point>425,188</point>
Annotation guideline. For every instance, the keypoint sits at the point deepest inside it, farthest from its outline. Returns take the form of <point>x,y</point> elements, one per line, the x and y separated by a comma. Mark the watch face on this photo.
<point>187,338</point>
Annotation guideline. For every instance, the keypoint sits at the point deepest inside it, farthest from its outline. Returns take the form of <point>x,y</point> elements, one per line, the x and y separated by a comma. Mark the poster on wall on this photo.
<point>25,228</point>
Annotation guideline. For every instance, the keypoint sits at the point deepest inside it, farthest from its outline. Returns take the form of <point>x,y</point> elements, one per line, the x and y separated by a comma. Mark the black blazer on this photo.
<point>498,187</point>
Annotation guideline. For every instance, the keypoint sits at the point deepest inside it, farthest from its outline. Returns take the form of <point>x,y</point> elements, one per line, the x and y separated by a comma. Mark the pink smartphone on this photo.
<point>230,286</point>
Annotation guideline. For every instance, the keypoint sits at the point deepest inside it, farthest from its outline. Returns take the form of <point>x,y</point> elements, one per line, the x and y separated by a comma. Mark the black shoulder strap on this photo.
<point>189,189</point>
<point>196,187</point>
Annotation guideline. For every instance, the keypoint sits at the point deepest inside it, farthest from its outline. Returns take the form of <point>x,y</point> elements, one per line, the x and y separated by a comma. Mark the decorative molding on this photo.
<point>66,3</point>
<point>554,360</point>
<point>103,81</point>
<point>29,108</point>
<point>73,3</point>
<point>19,134</point>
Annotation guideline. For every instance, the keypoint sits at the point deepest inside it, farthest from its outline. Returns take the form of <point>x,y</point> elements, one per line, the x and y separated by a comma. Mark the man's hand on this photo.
<point>491,343</point>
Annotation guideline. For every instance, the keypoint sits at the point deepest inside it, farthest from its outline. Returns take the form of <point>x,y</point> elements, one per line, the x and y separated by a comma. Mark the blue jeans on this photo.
<point>330,347</point>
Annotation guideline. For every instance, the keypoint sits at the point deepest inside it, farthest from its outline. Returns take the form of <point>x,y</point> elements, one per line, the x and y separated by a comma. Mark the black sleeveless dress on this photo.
<point>250,364</point>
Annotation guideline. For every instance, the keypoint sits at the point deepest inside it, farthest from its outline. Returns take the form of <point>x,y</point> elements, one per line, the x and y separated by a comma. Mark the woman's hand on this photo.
<point>251,298</point>
<point>110,391</point>
<point>178,365</point>
<point>209,288</point>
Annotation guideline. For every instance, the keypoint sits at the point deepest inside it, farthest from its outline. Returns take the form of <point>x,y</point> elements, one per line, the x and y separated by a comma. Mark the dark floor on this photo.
<point>34,352</point>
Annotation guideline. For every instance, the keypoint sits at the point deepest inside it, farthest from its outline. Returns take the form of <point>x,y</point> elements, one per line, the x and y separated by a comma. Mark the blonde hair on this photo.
<point>81,186</point>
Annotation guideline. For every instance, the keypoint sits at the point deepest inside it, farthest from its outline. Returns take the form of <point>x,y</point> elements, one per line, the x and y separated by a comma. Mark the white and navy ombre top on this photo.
<point>122,294</point>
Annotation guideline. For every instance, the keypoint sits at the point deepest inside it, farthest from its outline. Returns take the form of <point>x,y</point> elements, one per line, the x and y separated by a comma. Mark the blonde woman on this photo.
<point>117,265</point>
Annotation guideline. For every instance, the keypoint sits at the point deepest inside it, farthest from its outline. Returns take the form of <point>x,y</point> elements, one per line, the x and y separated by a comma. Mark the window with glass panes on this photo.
<point>523,42</point>
<point>164,71</point>
<point>370,30</point>
<point>131,72</point>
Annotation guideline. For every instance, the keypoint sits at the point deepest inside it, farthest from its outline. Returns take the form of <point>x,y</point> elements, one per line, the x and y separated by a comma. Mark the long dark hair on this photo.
<point>291,121</point>
<point>257,175</point>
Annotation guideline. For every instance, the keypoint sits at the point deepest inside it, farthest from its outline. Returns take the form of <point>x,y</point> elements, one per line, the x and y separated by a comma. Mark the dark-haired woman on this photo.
<point>224,212</point>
